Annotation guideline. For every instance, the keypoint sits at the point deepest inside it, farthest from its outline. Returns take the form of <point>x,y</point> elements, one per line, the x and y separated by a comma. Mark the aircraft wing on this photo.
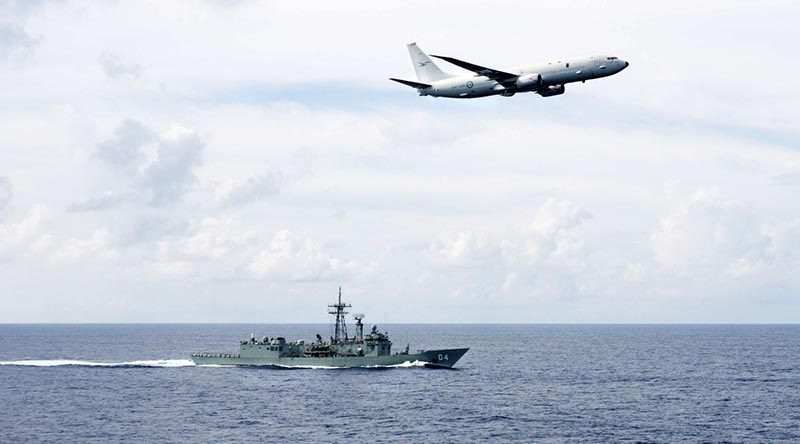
<point>494,74</point>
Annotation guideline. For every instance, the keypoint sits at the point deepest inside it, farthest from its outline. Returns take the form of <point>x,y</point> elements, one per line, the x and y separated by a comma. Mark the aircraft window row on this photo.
<point>612,58</point>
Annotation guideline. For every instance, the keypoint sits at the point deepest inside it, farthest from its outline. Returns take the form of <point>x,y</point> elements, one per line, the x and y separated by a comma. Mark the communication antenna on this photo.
<point>338,310</point>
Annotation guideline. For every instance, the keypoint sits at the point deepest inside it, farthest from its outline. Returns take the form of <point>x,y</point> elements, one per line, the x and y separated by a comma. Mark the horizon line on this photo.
<point>403,323</point>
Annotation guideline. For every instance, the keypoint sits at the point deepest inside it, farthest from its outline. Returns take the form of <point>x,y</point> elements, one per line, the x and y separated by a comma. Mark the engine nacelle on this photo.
<point>553,90</point>
<point>528,81</point>
<point>505,92</point>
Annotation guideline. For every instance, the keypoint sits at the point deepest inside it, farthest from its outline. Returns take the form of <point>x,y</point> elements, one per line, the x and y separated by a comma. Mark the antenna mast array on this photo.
<point>338,309</point>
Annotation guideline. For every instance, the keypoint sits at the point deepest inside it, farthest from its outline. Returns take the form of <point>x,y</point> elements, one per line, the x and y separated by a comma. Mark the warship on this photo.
<point>373,349</point>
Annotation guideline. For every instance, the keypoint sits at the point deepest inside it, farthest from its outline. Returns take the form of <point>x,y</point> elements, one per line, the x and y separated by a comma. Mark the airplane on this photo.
<point>547,80</point>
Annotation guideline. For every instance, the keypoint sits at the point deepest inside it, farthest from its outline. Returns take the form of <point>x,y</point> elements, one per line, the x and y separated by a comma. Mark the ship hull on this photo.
<point>436,358</point>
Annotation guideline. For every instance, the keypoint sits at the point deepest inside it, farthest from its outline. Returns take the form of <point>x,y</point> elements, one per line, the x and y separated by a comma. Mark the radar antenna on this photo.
<point>359,326</point>
<point>338,309</point>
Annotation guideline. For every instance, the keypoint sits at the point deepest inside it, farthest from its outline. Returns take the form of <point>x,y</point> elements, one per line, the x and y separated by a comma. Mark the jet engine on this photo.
<point>528,81</point>
<point>553,90</point>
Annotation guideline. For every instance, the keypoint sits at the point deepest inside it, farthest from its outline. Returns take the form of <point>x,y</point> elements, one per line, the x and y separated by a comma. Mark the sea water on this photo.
<point>518,383</point>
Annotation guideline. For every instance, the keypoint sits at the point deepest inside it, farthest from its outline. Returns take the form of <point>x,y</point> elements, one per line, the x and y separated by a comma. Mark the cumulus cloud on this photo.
<point>209,248</point>
<point>107,200</point>
<point>114,67</point>
<point>709,234</point>
<point>27,236</point>
<point>554,236</point>
<point>217,238</point>
<point>150,227</point>
<point>785,246</point>
<point>15,42</point>
<point>292,258</point>
<point>125,151</point>
<point>542,259</point>
<point>463,248</point>
<point>252,189</point>
<point>97,247</point>
<point>33,237</point>
<point>165,178</point>
<point>555,233</point>
<point>180,151</point>
<point>6,192</point>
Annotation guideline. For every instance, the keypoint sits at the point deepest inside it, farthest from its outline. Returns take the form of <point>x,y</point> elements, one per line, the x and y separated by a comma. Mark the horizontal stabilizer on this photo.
<point>411,84</point>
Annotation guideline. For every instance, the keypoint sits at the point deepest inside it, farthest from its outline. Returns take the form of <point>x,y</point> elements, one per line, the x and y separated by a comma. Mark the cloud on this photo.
<point>22,7</point>
<point>555,233</point>
<point>114,67</point>
<point>785,243</point>
<point>180,151</point>
<point>218,239</point>
<point>15,42</point>
<point>165,178</point>
<point>708,234</point>
<point>542,259</point>
<point>206,249</point>
<point>251,189</point>
<point>33,237</point>
<point>97,248</point>
<point>125,151</point>
<point>456,205</point>
<point>787,179</point>
<point>149,227</point>
<point>546,260</point>
<point>292,258</point>
<point>107,200</point>
<point>6,192</point>
<point>28,236</point>
<point>634,272</point>
<point>463,248</point>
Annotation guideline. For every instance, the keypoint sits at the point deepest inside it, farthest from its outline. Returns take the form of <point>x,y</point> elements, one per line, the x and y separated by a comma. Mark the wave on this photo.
<point>156,363</point>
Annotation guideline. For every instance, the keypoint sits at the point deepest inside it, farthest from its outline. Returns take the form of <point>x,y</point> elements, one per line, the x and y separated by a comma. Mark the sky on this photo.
<point>238,161</point>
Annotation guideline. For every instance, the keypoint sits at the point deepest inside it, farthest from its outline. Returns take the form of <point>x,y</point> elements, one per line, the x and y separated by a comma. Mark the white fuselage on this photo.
<point>553,76</point>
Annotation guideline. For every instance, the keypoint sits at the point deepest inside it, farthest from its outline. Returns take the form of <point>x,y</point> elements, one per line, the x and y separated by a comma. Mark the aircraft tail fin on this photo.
<point>427,71</point>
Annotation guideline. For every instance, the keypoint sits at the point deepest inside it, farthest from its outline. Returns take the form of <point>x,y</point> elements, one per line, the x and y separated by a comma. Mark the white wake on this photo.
<point>407,364</point>
<point>80,363</point>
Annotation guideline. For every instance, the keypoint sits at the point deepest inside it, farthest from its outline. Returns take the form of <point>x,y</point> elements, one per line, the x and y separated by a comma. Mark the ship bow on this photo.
<point>446,357</point>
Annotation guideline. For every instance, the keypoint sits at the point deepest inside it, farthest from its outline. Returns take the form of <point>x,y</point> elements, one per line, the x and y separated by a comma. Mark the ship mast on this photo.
<point>337,309</point>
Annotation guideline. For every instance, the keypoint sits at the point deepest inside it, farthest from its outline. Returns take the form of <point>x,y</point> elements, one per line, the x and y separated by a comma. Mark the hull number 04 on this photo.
<point>443,357</point>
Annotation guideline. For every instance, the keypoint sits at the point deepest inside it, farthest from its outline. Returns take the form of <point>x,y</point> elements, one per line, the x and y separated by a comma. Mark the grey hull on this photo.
<point>438,358</point>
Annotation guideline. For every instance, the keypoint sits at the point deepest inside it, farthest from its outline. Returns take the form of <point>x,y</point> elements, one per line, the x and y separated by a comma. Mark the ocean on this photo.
<point>518,383</point>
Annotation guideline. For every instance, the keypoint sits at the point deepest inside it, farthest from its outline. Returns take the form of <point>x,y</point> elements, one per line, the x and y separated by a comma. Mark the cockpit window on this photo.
<point>611,58</point>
